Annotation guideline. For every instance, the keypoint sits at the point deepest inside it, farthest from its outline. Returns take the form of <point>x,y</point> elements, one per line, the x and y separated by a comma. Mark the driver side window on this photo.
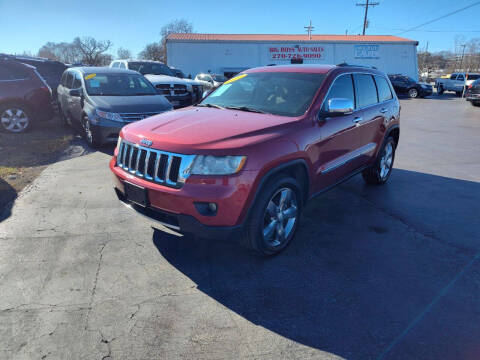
<point>342,87</point>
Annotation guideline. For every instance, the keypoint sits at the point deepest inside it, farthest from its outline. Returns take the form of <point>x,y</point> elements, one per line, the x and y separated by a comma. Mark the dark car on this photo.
<point>405,85</point>
<point>473,93</point>
<point>242,164</point>
<point>50,70</point>
<point>101,100</point>
<point>25,97</point>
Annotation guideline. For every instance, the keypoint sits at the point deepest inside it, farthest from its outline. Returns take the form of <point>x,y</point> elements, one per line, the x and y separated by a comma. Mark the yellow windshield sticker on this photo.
<point>235,78</point>
<point>90,76</point>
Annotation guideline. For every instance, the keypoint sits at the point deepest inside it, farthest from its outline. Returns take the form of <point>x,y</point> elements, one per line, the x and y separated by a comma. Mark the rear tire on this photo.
<point>380,172</point>
<point>274,218</point>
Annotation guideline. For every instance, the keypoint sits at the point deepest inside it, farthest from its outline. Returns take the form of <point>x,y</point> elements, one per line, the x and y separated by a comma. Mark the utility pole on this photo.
<point>366,5</point>
<point>463,54</point>
<point>309,29</point>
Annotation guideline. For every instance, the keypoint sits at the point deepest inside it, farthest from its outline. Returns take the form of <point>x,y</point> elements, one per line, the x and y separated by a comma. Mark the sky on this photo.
<point>28,24</point>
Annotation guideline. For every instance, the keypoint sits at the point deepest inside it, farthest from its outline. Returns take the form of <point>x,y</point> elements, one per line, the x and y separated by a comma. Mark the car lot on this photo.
<point>390,272</point>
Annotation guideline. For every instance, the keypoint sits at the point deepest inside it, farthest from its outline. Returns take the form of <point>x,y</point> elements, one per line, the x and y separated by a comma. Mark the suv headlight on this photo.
<point>217,165</point>
<point>109,115</point>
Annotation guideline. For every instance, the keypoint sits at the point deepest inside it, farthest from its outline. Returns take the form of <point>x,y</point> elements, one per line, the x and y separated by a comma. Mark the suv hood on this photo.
<point>199,128</point>
<point>164,79</point>
<point>131,104</point>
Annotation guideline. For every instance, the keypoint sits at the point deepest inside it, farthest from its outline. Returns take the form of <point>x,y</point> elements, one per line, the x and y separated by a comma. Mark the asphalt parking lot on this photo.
<point>388,272</point>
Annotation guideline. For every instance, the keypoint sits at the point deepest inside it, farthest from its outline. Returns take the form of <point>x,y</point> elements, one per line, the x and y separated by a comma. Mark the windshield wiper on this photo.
<point>246,108</point>
<point>211,106</point>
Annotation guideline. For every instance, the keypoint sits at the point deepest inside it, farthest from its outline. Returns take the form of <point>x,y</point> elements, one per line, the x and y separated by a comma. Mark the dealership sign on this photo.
<point>296,52</point>
<point>366,52</point>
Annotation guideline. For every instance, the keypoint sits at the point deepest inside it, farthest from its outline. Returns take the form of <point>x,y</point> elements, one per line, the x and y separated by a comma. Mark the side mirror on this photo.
<point>340,106</point>
<point>76,92</point>
<point>206,93</point>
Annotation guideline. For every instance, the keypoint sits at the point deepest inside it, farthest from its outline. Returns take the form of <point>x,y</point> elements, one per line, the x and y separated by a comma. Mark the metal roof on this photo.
<point>286,38</point>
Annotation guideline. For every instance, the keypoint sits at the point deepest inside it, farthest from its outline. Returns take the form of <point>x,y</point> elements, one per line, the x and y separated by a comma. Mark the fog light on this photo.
<point>212,207</point>
<point>206,209</point>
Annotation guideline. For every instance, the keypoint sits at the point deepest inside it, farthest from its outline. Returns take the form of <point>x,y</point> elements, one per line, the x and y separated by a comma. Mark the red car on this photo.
<point>242,163</point>
<point>25,97</point>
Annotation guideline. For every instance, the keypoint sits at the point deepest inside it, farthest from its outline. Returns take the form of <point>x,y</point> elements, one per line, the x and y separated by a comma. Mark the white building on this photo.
<point>231,53</point>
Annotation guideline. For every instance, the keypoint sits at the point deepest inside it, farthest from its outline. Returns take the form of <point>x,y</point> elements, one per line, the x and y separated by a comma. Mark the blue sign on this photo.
<point>366,51</point>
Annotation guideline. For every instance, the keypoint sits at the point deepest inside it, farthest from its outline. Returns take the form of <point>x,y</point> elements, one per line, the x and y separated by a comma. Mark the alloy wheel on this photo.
<point>386,161</point>
<point>14,120</point>
<point>280,217</point>
<point>413,93</point>
<point>88,131</point>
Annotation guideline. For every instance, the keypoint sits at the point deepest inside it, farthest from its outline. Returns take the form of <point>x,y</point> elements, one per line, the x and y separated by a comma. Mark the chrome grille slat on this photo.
<point>135,158</point>
<point>137,116</point>
<point>130,159</point>
<point>169,167</point>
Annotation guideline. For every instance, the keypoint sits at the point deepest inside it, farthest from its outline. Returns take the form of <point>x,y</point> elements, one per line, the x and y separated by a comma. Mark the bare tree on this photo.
<point>64,52</point>
<point>92,49</point>
<point>123,53</point>
<point>153,51</point>
<point>176,26</point>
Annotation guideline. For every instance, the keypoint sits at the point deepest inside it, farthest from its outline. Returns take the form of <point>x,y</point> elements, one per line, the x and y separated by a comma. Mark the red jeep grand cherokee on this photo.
<point>242,163</point>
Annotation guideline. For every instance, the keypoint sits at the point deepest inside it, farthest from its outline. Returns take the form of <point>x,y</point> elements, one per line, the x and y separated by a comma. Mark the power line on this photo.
<point>434,31</point>
<point>366,5</point>
<point>441,17</point>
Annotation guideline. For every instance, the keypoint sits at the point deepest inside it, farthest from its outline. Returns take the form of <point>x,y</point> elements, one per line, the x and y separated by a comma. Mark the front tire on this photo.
<point>90,134</point>
<point>274,218</point>
<point>440,90</point>
<point>15,118</point>
<point>413,93</point>
<point>379,173</point>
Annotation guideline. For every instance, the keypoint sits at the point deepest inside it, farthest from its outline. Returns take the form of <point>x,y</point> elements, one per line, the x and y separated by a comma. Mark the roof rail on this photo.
<point>354,65</point>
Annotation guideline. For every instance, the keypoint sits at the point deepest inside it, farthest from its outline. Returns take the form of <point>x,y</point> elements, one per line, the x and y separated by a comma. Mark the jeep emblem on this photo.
<point>146,142</point>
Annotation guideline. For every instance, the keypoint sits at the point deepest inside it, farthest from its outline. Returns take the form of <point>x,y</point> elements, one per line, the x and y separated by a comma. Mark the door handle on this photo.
<point>357,119</point>
<point>383,110</point>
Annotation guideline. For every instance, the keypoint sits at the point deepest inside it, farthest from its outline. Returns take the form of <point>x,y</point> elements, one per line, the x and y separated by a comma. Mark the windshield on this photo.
<point>178,73</point>
<point>150,68</point>
<point>219,78</point>
<point>118,85</point>
<point>279,93</point>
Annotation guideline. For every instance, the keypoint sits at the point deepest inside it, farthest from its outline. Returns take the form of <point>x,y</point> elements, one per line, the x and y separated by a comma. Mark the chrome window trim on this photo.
<point>335,164</point>
<point>394,96</point>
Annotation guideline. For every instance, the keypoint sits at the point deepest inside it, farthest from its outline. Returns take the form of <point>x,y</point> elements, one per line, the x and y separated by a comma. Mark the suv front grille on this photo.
<point>129,117</point>
<point>157,166</point>
<point>172,89</point>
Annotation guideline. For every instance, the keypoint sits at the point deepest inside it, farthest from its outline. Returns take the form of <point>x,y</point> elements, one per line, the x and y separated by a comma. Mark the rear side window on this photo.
<point>69,80</point>
<point>77,81</point>
<point>453,76</point>
<point>342,87</point>
<point>122,65</point>
<point>384,92</point>
<point>365,90</point>
<point>12,72</point>
<point>115,64</point>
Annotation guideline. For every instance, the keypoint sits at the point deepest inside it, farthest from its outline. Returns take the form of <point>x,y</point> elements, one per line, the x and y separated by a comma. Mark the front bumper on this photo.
<point>472,97</point>
<point>231,194</point>
<point>184,224</point>
<point>180,101</point>
<point>426,91</point>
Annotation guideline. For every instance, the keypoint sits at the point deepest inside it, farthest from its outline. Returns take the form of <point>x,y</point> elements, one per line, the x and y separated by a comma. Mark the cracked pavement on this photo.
<point>374,273</point>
